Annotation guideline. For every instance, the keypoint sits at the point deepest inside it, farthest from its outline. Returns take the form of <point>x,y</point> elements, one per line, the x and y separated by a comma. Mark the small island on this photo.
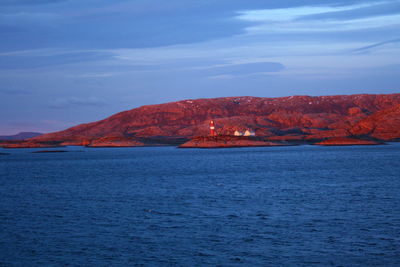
<point>224,141</point>
<point>238,139</point>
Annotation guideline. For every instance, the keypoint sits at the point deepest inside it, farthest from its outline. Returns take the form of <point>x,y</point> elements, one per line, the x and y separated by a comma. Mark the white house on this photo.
<point>249,133</point>
<point>237,133</point>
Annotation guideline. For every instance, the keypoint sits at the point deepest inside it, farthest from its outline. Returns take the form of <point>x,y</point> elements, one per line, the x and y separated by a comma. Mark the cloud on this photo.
<point>247,68</point>
<point>311,19</point>
<point>104,24</point>
<point>357,12</point>
<point>374,46</point>
<point>221,77</point>
<point>100,74</point>
<point>31,60</point>
<point>115,24</point>
<point>69,102</point>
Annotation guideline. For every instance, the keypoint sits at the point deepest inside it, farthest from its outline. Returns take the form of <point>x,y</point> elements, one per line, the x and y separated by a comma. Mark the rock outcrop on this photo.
<point>295,119</point>
<point>346,141</point>
<point>384,124</point>
<point>226,141</point>
<point>30,144</point>
<point>114,142</point>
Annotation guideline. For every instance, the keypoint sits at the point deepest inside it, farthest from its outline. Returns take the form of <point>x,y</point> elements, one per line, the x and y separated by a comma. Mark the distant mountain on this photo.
<point>20,136</point>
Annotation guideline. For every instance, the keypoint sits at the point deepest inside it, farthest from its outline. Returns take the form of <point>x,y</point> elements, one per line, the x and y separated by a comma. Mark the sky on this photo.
<point>66,62</point>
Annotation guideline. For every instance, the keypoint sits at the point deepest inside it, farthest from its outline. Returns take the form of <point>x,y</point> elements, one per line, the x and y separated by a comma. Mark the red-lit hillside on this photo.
<point>285,118</point>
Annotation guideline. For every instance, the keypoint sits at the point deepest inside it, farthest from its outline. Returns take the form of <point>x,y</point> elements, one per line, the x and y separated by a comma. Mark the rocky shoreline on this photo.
<point>220,141</point>
<point>225,141</point>
<point>347,141</point>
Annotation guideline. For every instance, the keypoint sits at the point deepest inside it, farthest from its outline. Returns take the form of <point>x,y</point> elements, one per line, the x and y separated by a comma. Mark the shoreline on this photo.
<point>212,142</point>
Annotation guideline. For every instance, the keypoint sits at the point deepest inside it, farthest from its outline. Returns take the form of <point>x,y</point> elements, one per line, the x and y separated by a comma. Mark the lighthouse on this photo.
<point>212,128</point>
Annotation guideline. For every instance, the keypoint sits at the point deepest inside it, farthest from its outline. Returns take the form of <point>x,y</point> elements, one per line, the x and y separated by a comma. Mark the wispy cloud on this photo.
<point>286,14</point>
<point>358,11</point>
<point>33,59</point>
<point>308,18</point>
<point>99,74</point>
<point>221,77</point>
<point>368,48</point>
<point>245,69</point>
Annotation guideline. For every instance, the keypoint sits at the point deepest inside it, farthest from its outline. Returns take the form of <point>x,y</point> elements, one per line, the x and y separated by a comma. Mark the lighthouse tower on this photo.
<point>212,128</point>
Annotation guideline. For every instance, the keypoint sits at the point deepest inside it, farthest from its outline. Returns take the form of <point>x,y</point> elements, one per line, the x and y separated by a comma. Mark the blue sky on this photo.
<point>65,62</point>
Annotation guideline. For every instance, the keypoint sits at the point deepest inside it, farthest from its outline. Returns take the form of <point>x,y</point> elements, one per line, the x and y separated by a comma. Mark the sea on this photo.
<point>164,206</point>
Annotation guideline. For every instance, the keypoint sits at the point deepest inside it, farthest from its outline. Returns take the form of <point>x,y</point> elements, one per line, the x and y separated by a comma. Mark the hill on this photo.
<point>294,118</point>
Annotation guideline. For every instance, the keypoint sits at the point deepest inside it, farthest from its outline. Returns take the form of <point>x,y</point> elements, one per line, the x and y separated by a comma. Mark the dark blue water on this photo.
<point>281,206</point>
